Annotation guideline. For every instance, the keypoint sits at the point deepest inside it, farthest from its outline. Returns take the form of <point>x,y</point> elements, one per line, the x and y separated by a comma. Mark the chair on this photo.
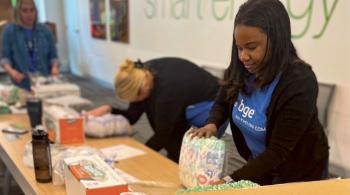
<point>324,99</point>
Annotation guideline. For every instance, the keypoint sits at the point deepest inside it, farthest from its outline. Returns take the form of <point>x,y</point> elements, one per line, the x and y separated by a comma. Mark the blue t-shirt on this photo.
<point>249,115</point>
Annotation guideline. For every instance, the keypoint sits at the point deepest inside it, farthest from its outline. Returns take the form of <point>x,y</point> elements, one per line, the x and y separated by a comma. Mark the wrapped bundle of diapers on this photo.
<point>107,125</point>
<point>201,161</point>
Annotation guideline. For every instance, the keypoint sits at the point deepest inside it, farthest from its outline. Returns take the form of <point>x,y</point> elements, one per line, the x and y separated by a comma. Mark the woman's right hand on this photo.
<point>100,111</point>
<point>206,131</point>
<point>15,75</point>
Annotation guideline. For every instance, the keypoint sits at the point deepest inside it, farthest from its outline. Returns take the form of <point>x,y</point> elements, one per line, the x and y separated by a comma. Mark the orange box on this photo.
<point>71,130</point>
<point>63,125</point>
<point>90,175</point>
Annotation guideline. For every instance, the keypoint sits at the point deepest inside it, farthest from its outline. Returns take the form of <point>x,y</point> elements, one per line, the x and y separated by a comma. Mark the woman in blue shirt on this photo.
<point>269,94</point>
<point>28,47</point>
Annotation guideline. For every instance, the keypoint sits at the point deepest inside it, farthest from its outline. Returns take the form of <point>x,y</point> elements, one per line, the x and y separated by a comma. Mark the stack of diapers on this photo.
<point>201,160</point>
<point>107,125</point>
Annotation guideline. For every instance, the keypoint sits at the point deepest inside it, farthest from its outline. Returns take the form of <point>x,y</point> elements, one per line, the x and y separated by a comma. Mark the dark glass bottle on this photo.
<point>41,156</point>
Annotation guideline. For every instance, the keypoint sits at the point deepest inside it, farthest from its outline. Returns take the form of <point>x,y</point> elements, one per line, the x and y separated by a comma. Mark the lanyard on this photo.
<point>30,47</point>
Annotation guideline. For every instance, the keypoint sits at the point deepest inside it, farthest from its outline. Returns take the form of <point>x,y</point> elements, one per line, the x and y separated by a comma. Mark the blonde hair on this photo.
<point>18,9</point>
<point>129,80</point>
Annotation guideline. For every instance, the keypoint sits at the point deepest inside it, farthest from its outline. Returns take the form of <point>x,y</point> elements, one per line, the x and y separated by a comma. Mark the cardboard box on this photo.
<point>90,175</point>
<point>63,125</point>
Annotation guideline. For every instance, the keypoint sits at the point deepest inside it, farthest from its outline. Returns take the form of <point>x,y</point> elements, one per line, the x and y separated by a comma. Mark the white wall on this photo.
<point>198,36</point>
<point>52,11</point>
<point>330,59</point>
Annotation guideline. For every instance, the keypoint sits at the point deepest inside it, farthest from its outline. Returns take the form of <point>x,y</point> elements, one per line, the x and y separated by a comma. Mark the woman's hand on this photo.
<point>55,70</point>
<point>100,110</point>
<point>206,131</point>
<point>15,75</point>
<point>218,182</point>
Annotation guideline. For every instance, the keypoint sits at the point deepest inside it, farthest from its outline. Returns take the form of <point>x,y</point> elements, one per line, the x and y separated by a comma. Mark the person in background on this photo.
<point>28,47</point>
<point>163,88</point>
<point>270,96</point>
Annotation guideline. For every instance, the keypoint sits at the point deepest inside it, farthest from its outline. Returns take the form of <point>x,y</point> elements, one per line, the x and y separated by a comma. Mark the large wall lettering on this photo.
<point>223,10</point>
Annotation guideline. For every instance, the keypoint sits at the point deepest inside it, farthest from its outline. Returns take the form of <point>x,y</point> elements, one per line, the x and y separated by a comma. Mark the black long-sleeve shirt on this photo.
<point>296,145</point>
<point>178,83</point>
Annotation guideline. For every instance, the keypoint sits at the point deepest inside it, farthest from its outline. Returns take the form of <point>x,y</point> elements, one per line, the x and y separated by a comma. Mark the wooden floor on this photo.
<point>99,93</point>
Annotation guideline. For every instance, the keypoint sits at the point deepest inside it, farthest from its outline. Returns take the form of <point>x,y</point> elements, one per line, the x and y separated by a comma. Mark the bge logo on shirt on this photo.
<point>245,110</point>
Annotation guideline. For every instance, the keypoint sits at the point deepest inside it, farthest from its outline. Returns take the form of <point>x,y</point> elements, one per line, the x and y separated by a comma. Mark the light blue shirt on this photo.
<point>249,115</point>
<point>16,53</point>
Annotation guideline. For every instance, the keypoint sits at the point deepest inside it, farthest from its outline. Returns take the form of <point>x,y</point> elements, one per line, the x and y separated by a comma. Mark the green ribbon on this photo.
<point>235,185</point>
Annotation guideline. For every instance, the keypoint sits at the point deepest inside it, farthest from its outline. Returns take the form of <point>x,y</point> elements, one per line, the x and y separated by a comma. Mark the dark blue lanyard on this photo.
<point>30,46</point>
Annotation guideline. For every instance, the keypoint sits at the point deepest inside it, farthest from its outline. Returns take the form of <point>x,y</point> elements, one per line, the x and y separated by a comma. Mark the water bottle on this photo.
<point>41,156</point>
<point>34,109</point>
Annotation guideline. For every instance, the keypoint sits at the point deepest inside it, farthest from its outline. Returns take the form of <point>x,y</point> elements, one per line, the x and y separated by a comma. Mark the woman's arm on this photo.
<point>13,73</point>
<point>6,55</point>
<point>218,114</point>
<point>99,111</point>
<point>55,70</point>
<point>133,113</point>
<point>169,121</point>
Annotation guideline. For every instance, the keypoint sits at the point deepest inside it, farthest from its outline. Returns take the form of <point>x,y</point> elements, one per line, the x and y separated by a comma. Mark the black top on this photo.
<point>296,145</point>
<point>178,83</point>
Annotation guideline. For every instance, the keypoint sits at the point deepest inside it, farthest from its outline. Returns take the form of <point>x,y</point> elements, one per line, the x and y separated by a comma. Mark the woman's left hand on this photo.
<point>55,70</point>
<point>218,182</point>
<point>207,131</point>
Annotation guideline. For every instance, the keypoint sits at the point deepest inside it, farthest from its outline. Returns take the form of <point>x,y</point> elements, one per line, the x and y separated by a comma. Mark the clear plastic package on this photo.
<point>58,154</point>
<point>107,125</point>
